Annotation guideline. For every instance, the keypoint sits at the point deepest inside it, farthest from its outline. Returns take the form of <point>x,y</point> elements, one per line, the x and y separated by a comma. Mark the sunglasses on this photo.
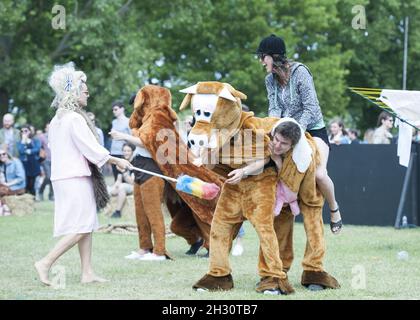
<point>261,56</point>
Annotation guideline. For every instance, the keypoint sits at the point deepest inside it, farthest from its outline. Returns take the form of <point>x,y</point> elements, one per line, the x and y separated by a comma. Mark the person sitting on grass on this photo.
<point>14,178</point>
<point>123,186</point>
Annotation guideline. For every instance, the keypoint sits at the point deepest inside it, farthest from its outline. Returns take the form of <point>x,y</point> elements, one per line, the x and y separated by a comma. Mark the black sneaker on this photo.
<point>116,214</point>
<point>195,247</point>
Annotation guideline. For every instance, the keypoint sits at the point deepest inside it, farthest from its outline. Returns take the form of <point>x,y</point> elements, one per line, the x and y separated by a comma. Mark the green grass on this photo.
<point>373,250</point>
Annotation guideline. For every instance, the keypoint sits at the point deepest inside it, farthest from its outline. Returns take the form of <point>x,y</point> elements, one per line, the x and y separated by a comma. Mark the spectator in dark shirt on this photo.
<point>353,134</point>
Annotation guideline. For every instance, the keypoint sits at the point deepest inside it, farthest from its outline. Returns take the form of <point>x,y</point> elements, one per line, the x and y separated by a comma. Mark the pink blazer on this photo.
<point>72,143</point>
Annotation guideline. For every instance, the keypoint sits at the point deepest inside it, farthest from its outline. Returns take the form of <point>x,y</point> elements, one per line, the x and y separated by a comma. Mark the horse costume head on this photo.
<point>217,109</point>
<point>150,99</point>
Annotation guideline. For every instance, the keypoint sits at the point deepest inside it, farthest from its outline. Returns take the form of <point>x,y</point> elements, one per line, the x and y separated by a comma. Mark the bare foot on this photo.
<point>91,278</point>
<point>42,270</point>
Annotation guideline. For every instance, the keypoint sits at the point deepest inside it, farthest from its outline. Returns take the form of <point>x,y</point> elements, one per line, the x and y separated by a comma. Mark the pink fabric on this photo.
<point>74,206</point>
<point>71,143</point>
<point>286,196</point>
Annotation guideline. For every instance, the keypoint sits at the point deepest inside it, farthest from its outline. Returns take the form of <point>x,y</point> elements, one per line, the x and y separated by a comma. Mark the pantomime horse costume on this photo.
<point>153,122</point>
<point>218,106</point>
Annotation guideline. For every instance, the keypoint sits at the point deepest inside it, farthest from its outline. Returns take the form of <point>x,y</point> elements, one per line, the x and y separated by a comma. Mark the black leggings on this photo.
<point>320,133</point>
<point>30,185</point>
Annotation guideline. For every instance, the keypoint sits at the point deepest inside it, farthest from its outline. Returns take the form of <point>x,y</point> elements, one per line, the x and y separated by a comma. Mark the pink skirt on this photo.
<point>74,206</point>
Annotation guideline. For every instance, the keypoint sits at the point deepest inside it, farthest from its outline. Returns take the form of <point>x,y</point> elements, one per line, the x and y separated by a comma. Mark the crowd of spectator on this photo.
<point>25,158</point>
<point>382,134</point>
<point>25,161</point>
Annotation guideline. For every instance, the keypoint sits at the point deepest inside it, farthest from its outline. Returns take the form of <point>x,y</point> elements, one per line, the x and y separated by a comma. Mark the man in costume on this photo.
<point>152,123</point>
<point>296,156</point>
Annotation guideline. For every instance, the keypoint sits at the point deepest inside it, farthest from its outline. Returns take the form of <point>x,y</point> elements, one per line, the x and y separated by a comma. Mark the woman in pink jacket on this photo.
<point>78,185</point>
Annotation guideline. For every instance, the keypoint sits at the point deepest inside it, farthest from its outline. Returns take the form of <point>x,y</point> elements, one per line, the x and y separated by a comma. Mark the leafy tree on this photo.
<point>98,37</point>
<point>122,45</point>
<point>377,51</point>
<point>220,38</point>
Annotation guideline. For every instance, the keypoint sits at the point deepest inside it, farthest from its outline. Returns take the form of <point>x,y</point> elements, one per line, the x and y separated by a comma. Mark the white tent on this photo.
<point>406,105</point>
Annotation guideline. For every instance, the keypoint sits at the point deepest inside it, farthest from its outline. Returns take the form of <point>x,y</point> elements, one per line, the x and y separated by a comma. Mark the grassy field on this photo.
<point>363,259</point>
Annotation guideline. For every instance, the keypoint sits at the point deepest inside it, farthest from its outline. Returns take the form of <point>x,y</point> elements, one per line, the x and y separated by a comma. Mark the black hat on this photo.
<point>272,45</point>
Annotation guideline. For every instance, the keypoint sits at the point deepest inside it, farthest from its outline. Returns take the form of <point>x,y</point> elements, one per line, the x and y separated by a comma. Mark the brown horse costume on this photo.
<point>218,106</point>
<point>153,122</point>
<point>226,114</point>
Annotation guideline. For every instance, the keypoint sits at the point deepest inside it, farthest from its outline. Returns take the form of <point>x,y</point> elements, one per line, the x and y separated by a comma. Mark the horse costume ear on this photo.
<point>192,89</point>
<point>135,119</point>
<point>234,92</point>
<point>225,93</point>
<point>139,100</point>
<point>172,114</point>
<point>185,102</point>
<point>187,99</point>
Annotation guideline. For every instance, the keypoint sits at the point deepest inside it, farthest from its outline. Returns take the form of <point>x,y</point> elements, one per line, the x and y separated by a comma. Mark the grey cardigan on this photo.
<point>297,100</point>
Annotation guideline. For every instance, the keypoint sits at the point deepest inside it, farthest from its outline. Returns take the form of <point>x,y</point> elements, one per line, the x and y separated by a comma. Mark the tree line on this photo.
<point>122,45</point>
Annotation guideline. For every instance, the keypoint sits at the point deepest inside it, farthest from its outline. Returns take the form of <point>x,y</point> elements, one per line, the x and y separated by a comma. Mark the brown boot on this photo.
<point>319,278</point>
<point>274,285</point>
<point>211,283</point>
<point>285,286</point>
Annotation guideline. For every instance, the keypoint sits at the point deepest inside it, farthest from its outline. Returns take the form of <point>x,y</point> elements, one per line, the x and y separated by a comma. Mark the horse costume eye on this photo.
<point>198,112</point>
<point>207,114</point>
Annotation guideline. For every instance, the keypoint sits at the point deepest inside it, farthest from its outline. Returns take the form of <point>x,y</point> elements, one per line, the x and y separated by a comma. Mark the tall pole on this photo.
<point>405,54</point>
